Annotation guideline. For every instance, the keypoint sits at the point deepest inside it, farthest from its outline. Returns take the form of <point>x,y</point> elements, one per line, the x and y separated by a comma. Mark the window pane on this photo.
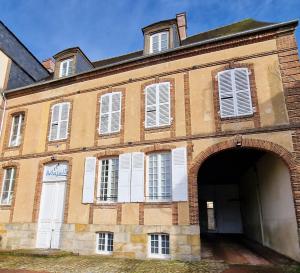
<point>165,176</point>
<point>104,180</point>
<point>101,241</point>
<point>154,243</point>
<point>153,176</point>
<point>114,179</point>
<point>8,186</point>
<point>110,242</point>
<point>165,249</point>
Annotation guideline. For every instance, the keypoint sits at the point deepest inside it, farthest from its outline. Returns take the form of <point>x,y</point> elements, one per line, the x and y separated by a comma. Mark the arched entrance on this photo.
<point>245,190</point>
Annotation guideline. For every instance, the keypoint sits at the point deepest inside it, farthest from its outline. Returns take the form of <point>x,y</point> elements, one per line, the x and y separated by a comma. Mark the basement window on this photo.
<point>159,245</point>
<point>105,243</point>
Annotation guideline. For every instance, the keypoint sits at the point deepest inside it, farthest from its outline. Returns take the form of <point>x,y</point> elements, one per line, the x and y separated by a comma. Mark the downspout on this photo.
<point>3,112</point>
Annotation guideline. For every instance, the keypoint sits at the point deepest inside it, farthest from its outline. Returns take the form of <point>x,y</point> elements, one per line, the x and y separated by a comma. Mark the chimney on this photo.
<point>182,25</point>
<point>49,64</point>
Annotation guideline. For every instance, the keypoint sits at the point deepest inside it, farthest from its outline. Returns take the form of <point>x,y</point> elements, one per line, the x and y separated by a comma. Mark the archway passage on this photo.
<point>245,195</point>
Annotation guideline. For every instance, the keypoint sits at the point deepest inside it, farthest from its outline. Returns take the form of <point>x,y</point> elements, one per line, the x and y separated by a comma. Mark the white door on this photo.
<point>51,214</point>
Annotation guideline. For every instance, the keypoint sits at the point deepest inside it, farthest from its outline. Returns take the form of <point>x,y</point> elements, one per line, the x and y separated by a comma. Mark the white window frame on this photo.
<point>18,136</point>
<point>10,188</point>
<point>159,35</point>
<point>59,121</point>
<point>109,182</point>
<point>110,112</point>
<point>157,105</point>
<point>106,251</point>
<point>68,69</point>
<point>159,197</point>
<point>158,255</point>
<point>234,93</point>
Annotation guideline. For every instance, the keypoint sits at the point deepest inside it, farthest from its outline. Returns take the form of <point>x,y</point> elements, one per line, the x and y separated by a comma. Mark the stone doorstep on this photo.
<point>51,253</point>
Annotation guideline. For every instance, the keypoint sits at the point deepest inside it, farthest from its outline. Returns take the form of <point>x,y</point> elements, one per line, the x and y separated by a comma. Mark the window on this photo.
<point>159,42</point>
<point>16,130</point>
<point>105,242</point>
<point>59,121</point>
<point>157,105</point>
<point>211,222</point>
<point>66,68</point>
<point>110,113</point>
<point>159,245</point>
<point>8,186</point>
<point>108,180</point>
<point>159,177</point>
<point>234,93</point>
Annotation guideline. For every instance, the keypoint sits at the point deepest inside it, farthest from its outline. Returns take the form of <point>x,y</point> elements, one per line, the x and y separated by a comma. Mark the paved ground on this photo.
<point>97,264</point>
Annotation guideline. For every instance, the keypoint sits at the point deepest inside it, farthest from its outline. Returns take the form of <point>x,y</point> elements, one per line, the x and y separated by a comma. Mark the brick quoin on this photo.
<point>288,158</point>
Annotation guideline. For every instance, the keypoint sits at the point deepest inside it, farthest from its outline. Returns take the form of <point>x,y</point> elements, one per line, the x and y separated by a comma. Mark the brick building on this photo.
<point>144,154</point>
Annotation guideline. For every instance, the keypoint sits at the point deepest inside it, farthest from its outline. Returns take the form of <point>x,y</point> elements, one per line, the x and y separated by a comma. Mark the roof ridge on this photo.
<point>117,56</point>
<point>236,22</point>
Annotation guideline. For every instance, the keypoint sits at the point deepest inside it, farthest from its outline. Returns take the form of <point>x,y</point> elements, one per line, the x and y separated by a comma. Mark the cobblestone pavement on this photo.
<point>97,264</point>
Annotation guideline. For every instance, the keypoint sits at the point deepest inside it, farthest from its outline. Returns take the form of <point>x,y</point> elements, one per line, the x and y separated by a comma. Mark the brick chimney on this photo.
<point>182,25</point>
<point>49,64</point>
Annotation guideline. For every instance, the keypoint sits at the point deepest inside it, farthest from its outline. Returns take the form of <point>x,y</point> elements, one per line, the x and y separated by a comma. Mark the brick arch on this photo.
<point>238,142</point>
<point>38,187</point>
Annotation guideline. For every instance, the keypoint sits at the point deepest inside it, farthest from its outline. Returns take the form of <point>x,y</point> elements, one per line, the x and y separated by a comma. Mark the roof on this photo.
<point>168,21</point>
<point>244,25</point>
<point>235,28</point>
<point>118,58</point>
<point>72,50</point>
<point>242,28</point>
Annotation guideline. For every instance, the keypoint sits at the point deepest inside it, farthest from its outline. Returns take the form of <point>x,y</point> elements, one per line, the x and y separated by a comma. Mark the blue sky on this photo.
<point>103,28</point>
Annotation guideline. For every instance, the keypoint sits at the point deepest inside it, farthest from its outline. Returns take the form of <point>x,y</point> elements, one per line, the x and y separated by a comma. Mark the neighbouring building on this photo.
<point>143,154</point>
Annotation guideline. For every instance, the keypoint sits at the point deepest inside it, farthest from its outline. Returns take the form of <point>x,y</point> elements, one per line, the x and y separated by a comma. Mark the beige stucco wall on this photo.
<point>269,212</point>
<point>83,125</point>
<point>4,69</point>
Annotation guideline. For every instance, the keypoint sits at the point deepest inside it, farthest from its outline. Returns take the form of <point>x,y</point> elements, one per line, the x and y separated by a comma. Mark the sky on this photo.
<point>107,28</point>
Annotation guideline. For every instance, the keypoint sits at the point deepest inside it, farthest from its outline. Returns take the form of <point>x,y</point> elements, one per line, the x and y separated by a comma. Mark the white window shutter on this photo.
<point>104,114</point>
<point>115,112</point>
<point>89,180</point>
<point>124,177</point>
<point>137,180</point>
<point>64,120</point>
<point>164,104</point>
<point>151,106</point>
<point>243,93</point>
<point>54,122</point>
<point>179,174</point>
<point>164,42</point>
<point>155,43</point>
<point>226,94</point>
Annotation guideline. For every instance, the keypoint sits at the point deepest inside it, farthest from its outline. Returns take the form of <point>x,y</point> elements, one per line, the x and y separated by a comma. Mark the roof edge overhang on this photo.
<point>169,21</point>
<point>71,79</point>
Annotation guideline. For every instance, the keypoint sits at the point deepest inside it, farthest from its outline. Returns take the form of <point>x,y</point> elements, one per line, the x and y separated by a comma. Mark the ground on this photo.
<point>93,264</point>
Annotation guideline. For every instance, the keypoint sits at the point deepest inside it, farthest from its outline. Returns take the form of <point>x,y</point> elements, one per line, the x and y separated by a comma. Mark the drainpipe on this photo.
<point>3,112</point>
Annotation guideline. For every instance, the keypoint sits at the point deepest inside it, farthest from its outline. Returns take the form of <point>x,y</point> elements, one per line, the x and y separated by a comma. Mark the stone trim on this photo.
<point>119,134</point>
<point>63,141</point>
<point>39,184</point>
<point>255,117</point>
<point>9,120</point>
<point>160,58</point>
<point>108,153</point>
<point>171,127</point>
<point>6,165</point>
<point>238,140</point>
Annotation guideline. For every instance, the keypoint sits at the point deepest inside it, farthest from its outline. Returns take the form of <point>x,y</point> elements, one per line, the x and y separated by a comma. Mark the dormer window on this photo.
<point>159,42</point>
<point>66,68</point>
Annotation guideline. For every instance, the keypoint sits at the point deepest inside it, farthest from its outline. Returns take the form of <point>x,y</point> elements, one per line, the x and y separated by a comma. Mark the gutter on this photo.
<point>3,112</point>
<point>295,22</point>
